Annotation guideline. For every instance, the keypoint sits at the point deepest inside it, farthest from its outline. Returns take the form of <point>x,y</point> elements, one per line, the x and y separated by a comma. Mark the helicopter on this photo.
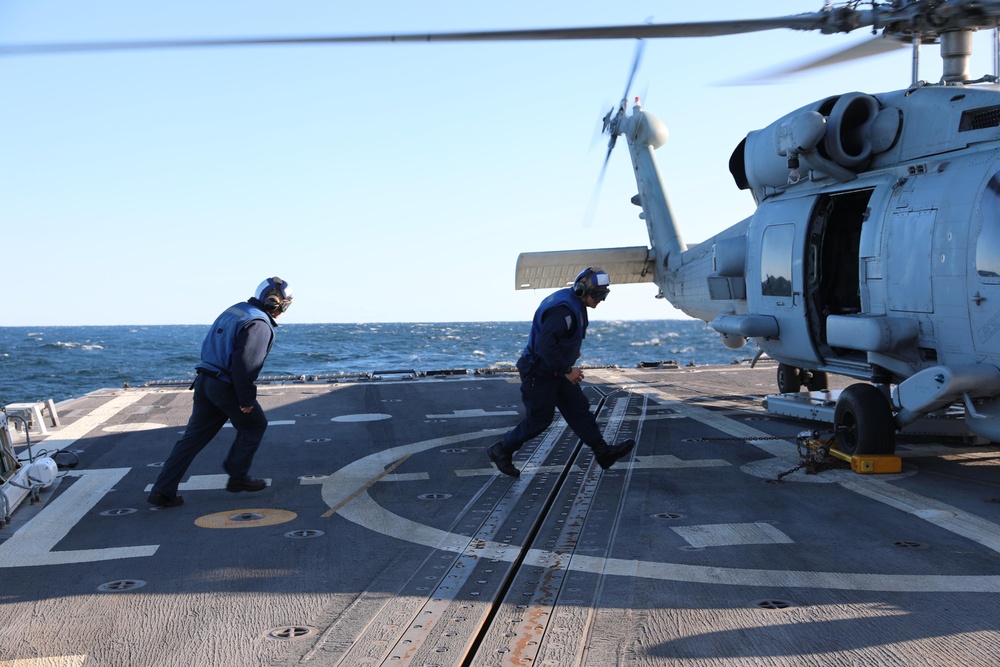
<point>874,249</point>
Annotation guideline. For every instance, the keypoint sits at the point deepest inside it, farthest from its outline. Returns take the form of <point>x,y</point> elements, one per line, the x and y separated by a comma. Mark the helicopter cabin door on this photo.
<point>832,266</point>
<point>775,280</point>
<point>984,283</point>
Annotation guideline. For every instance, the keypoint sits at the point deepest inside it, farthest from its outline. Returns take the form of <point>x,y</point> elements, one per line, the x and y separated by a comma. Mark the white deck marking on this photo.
<point>339,486</point>
<point>407,477</point>
<point>361,509</point>
<point>32,544</point>
<point>940,514</point>
<point>204,483</point>
<point>731,534</point>
<point>277,422</point>
<point>53,661</point>
<point>478,413</point>
<point>670,461</point>
<point>133,428</point>
<point>370,417</point>
<point>944,516</point>
<point>69,434</point>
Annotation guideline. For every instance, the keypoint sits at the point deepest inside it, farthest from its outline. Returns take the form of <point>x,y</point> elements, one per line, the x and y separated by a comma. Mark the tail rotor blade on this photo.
<point>610,125</point>
<point>636,60</point>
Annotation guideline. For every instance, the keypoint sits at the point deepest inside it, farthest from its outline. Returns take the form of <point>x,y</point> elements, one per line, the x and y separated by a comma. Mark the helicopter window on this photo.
<point>988,246</point>
<point>776,261</point>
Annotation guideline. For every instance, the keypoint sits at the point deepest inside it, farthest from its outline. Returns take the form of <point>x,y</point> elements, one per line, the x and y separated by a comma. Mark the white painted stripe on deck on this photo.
<point>940,514</point>
<point>100,415</point>
<point>204,483</point>
<point>53,661</point>
<point>406,477</point>
<point>277,422</point>
<point>339,490</point>
<point>478,413</point>
<point>669,461</point>
<point>731,534</point>
<point>944,516</point>
<point>133,427</point>
<point>366,417</point>
<point>32,544</point>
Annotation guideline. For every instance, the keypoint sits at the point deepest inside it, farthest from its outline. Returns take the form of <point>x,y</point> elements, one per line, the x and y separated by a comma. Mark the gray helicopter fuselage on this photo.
<point>874,251</point>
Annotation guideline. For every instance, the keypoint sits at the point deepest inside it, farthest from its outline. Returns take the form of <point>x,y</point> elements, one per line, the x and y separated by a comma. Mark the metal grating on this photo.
<point>979,119</point>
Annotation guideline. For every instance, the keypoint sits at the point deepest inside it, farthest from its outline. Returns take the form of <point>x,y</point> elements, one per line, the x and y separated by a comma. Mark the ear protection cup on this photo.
<point>580,285</point>
<point>592,280</point>
<point>272,303</point>
<point>275,295</point>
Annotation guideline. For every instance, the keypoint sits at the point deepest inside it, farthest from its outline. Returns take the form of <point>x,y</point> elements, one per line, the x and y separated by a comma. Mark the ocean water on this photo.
<point>59,363</point>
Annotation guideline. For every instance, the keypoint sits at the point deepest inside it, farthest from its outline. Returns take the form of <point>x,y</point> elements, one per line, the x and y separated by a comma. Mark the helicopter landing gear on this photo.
<point>863,421</point>
<point>791,379</point>
<point>816,380</point>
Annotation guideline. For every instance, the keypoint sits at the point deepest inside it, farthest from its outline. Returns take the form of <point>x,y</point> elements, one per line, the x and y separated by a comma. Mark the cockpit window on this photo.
<point>988,246</point>
<point>776,261</point>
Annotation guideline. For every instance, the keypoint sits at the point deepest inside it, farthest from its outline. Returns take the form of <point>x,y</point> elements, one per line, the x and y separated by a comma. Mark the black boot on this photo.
<point>502,460</point>
<point>606,454</point>
<point>237,484</point>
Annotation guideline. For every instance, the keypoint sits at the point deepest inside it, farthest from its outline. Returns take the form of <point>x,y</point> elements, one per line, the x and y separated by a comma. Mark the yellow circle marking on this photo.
<point>226,520</point>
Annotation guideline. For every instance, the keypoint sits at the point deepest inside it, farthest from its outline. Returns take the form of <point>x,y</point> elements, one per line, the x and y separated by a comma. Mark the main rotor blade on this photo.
<point>874,46</point>
<point>810,21</point>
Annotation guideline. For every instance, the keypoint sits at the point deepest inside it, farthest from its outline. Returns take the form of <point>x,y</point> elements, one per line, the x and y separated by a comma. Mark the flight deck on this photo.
<point>386,537</point>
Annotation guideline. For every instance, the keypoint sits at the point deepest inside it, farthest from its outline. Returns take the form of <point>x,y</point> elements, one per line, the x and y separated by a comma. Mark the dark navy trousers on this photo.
<point>541,397</point>
<point>215,403</point>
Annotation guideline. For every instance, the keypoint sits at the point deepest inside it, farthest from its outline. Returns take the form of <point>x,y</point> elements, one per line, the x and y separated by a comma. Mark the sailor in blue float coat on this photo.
<point>236,346</point>
<point>557,332</point>
<point>232,356</point>
<point>549,378</point>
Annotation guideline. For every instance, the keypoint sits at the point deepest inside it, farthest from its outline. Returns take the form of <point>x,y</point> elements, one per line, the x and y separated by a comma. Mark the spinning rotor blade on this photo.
<point>610,125</point>
<point>901,18</point>
<point>811,21</point>
<point>873,46</point>
<point>639,48</point>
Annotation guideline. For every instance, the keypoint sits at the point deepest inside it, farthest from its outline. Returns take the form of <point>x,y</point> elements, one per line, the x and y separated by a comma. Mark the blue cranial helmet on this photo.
<point>275,294</point>
<point>593,281</point>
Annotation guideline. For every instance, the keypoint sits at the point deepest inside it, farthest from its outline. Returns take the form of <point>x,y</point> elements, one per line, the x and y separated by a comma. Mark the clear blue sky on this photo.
<point>384,182</point>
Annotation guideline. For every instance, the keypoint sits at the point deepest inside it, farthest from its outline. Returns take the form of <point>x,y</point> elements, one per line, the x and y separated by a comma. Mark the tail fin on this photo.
<point>645,133</point>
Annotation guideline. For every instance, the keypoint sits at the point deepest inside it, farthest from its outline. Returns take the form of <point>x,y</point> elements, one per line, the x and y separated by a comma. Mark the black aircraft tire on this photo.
<point>864,422</point>
<point>789,379</point>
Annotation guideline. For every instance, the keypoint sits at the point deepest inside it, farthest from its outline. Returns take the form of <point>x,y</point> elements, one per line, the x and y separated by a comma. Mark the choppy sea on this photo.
<point>59,363</point>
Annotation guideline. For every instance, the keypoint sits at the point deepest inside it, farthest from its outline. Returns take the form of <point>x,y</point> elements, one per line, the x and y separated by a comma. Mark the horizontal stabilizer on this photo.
<point>541,270</point>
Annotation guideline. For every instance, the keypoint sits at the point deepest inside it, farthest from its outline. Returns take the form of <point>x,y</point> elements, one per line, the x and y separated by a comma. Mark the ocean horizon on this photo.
<point>63,362</point>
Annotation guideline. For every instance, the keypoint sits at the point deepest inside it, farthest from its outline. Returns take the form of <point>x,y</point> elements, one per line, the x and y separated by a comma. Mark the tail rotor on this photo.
<point>611,125</point>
